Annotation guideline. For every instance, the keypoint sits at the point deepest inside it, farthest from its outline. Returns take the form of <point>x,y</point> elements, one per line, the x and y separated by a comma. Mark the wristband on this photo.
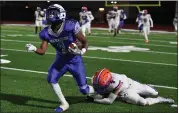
<point>83,51</point>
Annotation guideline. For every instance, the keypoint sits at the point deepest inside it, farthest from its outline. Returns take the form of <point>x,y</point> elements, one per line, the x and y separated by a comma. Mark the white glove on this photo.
<point>75,50</point>
<point>30,47</point>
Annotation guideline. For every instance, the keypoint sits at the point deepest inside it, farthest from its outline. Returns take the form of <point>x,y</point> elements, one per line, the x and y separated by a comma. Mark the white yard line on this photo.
<point>41,72</point>
<point>160,45</point>
<point>23,41</point>
<point>113,59</point>
<point>119,38</point>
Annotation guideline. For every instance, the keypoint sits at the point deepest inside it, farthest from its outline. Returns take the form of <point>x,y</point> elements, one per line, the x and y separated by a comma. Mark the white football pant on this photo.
<point>84,27</point>
<point>89,28</point>
<point>136,90</point>
<point>38,23</point>
<point>146,31</point>
<point>110,25</point>
<point>176,26</point>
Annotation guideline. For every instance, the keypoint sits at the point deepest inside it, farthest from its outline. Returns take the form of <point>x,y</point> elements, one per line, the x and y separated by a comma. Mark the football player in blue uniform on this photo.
<point>139,20</point>
<point>122,18</point>
<point>61,33</point>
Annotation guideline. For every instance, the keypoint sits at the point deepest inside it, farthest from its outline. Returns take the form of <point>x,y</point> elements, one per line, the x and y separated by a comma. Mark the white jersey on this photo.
<point>84,17</point>
<point>117,15</point>
<point>38,16</point>
<point>91,17</point>
<point>147,20</point>
<point>119,81</point>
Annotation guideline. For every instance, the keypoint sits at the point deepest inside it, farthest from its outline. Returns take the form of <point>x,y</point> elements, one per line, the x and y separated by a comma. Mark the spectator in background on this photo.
<point>38,19</point>
<point>175,24</point>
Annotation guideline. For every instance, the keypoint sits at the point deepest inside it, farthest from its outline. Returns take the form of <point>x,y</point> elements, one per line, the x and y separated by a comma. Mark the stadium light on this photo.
<point>112,2</point>
<point>115,2</point>
<point>101,9</point>
<point>26,7</point>
<point>48,1</point>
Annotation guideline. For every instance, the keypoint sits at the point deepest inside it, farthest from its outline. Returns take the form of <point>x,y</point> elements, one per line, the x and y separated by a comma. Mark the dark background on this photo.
<point>16,11</point>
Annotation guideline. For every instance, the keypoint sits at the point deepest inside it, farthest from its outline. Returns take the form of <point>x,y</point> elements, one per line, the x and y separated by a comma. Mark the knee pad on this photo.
<point>84,89</point>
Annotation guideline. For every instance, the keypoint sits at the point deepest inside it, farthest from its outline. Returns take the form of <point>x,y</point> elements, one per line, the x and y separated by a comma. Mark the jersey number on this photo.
<point>61,46</point>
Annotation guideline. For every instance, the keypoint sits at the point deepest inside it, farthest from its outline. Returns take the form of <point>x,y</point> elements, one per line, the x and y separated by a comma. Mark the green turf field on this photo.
<point>23,81</point>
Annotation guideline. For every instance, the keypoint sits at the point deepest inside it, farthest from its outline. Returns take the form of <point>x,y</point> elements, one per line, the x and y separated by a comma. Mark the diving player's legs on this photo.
<point>132,97</point>
<point>54,73</point>
<point>77,69</point>
<point>142,89</point>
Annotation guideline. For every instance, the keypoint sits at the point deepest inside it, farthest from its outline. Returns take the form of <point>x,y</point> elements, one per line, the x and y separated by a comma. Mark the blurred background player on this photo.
<point>113,85</point>
<point>175,24</point>
<point>147,23</point>
<point>116,15</point>
<point>38,19</point>
<point>61,33</point>
<point>139,21</point>
<point>44,21</point>
<point>122,18</point>
<point>110,21</point>
<point>84,20</point>
<point>91,18</point>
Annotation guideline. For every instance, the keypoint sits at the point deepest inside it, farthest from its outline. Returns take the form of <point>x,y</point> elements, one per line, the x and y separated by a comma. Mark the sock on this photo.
<point>58,92</point>
<point>91,90</point>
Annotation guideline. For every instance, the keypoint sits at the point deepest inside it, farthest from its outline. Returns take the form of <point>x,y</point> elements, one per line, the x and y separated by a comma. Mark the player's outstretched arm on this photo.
<point>41,50</point>
<point>108,100</point>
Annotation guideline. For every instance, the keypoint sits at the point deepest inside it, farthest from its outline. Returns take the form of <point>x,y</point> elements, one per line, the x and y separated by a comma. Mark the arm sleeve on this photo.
<point>76,28</point>
<point>42,36</point>
<point>108,100</point>
<point>151,21</point>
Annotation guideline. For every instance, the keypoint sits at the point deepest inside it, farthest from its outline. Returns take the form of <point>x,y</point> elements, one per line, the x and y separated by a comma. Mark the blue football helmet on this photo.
<point>55,13</point>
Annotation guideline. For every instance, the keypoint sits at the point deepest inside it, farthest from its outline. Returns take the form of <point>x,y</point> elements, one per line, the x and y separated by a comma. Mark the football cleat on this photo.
<point>58,110</point>
<point>146,41</point>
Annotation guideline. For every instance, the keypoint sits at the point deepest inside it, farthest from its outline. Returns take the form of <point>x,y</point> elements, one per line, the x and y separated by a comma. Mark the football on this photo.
<point>76,44</point>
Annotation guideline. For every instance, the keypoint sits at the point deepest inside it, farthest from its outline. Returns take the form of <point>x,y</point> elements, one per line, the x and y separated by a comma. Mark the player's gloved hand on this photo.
<point>30,47</point>
<point>73,48</point>
<point>151,26</point>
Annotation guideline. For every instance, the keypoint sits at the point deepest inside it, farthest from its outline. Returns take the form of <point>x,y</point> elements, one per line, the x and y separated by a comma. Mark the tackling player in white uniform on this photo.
<point>91,18</point>
<point>116,15</point>
<point>38,19</point>
<point>147,23</point>
<point>110,21</point>
<point>84,20</point>
<point>120,86</point>
<point>175,24</point>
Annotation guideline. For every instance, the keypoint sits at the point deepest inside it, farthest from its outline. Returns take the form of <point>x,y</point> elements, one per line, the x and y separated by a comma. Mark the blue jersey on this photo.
<point>123,16</point>
<point>63,38</point>
<point>139,17</point>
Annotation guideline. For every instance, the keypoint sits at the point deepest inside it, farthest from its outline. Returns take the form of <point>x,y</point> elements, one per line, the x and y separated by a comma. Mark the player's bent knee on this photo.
<point>51,80</point>
<point>84,89</point>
